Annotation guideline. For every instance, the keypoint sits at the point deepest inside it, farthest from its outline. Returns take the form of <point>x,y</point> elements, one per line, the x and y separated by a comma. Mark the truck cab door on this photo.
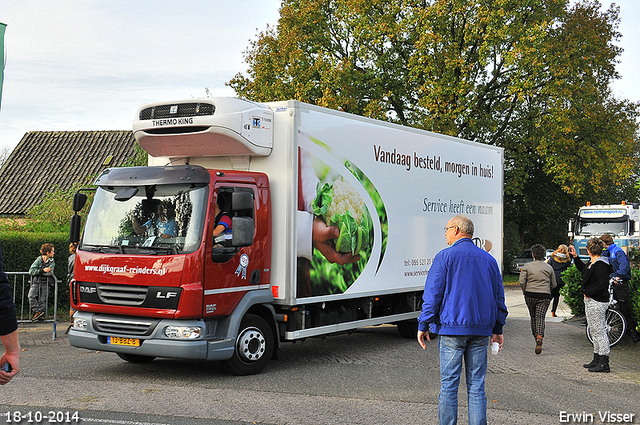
<point>233,260</point>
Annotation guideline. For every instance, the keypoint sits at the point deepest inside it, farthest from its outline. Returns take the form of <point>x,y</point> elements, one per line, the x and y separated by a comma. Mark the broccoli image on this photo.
<point>338,204</point>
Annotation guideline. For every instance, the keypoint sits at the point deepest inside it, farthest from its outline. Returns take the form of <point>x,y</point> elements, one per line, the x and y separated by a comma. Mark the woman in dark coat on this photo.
<point>559,261</point>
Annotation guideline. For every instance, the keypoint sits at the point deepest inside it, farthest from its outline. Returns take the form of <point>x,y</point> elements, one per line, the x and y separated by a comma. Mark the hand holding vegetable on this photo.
<point>323,236</point>
<point>339,205</point>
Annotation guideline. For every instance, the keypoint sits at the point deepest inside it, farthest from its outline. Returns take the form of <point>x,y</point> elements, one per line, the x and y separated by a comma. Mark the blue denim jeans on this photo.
<point>453,350</point>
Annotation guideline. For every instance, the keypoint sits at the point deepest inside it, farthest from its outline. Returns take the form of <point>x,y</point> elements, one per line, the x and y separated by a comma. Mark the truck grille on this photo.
<point>183,110</point>
<point>126,326</point>
<point>158,297</point>
<point>122,294</point>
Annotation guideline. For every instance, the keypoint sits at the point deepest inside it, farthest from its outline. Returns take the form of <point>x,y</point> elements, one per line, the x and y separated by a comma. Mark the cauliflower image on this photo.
<point>338,204</point>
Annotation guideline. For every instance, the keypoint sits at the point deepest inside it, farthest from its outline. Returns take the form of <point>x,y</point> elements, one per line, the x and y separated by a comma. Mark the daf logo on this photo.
<point>88,289</point>
<point>173,109</point>
<point>167,295</point>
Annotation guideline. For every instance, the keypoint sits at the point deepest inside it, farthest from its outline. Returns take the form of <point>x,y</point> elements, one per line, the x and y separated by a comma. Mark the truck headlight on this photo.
<point>80,324</point>
<point>183,332</point>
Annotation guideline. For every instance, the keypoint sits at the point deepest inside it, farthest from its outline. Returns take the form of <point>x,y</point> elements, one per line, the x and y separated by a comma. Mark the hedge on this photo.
<point>572,290</point>
<point>573,298</point>
<point>20,249</point>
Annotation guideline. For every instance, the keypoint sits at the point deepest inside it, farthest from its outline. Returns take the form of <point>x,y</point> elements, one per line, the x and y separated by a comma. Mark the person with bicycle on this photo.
<point>621,276</point>
<point>595,287</point>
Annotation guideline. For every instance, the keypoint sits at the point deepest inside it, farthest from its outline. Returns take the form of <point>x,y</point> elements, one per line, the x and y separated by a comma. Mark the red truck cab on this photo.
<point>152,279</point>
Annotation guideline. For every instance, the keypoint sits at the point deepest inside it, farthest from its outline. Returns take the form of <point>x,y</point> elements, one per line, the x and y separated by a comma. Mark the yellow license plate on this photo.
<point>131,342</point>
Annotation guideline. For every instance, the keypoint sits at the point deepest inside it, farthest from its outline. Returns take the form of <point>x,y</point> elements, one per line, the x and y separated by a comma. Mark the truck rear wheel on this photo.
<point>254,346</point>
<point>135,358</point>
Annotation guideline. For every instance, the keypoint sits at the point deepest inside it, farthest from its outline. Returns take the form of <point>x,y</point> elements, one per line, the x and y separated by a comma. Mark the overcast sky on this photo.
<point>88,65</point>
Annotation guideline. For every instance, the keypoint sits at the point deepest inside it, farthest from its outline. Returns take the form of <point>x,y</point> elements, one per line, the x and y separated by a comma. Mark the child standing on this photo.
<point>41,271</point>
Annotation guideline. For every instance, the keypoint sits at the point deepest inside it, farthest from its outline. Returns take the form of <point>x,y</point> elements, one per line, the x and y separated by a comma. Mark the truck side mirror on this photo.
<point>570,229</point>
<point>79,200</point>
<point>241,201</point>
<point>242,231</point>
<point>74,230</point>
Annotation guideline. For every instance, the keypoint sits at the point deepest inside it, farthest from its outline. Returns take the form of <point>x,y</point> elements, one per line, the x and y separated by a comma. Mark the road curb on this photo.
<point>42,333</point>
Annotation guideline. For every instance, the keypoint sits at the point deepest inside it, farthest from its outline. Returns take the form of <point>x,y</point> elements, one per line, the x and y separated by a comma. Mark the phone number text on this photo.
<point>418,262</point>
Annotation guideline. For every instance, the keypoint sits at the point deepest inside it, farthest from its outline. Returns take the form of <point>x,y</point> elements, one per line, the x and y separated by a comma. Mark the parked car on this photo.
<point>523,258</point>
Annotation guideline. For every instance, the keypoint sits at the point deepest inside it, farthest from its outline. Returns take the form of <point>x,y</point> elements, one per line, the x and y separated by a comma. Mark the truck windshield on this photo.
<point>171,222</point>
<point>598,228</point>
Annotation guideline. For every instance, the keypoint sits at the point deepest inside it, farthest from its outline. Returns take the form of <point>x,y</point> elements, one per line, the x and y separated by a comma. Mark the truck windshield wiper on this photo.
<point>160,249</point>
<point>102,248</point>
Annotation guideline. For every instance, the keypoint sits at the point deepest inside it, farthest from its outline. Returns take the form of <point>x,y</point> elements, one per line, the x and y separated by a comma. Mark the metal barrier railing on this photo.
<point>20,283</point>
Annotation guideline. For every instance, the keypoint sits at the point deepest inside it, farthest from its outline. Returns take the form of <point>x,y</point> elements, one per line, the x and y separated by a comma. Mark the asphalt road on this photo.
<point>372,376</point>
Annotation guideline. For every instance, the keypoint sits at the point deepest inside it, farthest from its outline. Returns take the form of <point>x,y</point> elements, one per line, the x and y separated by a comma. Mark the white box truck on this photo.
<point>329,221</point>
<point>622,221</point>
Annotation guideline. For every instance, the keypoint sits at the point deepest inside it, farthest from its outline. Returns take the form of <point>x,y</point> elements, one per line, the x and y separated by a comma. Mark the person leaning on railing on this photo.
<point>41,272</point>
<point>8,330</point>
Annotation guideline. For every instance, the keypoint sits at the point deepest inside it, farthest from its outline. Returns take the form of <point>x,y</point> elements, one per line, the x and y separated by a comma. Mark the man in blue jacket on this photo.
<point>464,305</point>
<point>621,275</point>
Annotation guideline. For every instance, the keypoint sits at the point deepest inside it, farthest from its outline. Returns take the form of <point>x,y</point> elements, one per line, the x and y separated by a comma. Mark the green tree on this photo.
<point>530,76</point>
<point>139,158</point>
<point>580,142</point>
<point>53,213</point>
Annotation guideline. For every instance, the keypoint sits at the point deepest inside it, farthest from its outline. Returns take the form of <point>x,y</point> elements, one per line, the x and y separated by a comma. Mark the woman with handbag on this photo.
<point>537,280</point>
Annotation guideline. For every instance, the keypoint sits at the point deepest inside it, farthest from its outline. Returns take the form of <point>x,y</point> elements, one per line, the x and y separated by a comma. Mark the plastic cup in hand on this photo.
<point>494,348</point>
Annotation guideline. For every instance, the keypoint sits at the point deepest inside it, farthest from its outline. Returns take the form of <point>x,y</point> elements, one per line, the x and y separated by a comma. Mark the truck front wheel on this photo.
<point>254,346</point>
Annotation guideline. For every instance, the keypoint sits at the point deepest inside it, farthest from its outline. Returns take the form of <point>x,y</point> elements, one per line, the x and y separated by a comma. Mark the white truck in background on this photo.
<point>622,221</point>
<point>152,279</point>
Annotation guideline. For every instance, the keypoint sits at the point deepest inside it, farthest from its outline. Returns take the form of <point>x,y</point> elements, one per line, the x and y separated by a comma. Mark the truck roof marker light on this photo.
<point>588,203</point>
<point>623,203</point>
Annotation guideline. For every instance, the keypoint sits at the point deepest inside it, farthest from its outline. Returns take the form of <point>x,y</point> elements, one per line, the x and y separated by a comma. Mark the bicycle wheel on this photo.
<point>616,327</point>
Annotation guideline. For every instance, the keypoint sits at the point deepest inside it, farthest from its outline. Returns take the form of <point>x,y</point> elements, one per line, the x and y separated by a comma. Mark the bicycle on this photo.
<point>616,323</point>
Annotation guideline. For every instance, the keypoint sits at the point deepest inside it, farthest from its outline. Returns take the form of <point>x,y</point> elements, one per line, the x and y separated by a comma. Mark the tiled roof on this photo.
<point>46,159</point>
